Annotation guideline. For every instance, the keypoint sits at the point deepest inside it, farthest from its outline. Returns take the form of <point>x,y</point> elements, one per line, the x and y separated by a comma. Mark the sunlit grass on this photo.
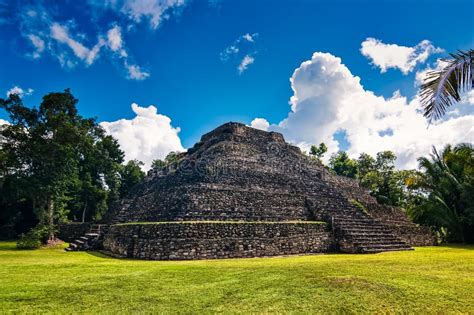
<point>427,280</point>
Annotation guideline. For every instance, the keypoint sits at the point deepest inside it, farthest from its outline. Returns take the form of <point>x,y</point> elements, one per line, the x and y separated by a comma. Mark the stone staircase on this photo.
<point>357,232</point>
<point>91,240</point>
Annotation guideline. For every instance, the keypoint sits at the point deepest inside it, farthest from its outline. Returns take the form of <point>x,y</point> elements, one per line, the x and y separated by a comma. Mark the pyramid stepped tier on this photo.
<point>237,177</point>
<point>205,240</point>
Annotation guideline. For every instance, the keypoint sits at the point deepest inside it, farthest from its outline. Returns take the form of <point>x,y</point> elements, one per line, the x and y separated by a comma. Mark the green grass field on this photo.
<point>427,280</point>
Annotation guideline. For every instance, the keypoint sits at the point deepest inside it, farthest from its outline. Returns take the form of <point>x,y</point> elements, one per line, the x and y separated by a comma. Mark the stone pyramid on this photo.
<point>243,192</point>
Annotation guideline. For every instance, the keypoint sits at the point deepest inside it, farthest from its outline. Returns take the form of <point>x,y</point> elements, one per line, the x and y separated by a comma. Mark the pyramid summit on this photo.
<point>243,192</point>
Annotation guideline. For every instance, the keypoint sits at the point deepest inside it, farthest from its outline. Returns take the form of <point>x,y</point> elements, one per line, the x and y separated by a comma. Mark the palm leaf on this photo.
<point>442,89</point>
<point>465,149</point>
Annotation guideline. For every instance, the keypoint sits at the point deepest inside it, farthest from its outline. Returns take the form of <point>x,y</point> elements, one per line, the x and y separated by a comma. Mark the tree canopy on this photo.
<point>439,194</point>
<point>447,186</point>
<point>55,163</point>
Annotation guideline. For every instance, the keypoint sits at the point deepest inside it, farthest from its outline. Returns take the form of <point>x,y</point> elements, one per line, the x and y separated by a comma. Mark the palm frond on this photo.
<point>465,148</point>
<point>442,89</point>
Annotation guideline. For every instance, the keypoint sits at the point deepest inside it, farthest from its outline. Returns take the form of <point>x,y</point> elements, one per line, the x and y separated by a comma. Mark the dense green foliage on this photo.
<point>130,174</point>
<point>32,239</point>
<point>439,195</point>
<point>55,166</point>
<point>172,157</point>
<point>158,164</point>
<point>341,164</point>
<point>385,182</point>
<point>426,280</point>
<point>446,185</point>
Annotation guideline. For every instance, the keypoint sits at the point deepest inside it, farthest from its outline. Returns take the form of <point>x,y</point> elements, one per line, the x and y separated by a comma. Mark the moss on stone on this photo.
<point>359,205</point>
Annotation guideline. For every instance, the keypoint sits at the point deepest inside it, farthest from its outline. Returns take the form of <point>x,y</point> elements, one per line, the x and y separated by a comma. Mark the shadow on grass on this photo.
<point>101,254</point>
<point>457,246</point>
<point>9,245</point>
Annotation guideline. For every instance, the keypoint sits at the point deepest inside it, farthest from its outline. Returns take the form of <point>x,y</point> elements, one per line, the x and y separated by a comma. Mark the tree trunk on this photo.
<point>84,212</point>
<point>50,216</point>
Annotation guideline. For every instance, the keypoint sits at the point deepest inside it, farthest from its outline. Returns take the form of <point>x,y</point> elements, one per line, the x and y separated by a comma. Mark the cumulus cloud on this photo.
<point>147,136</point>
<point>386,56</point>
<point>4,122</point>
<point>329,99</point>
<point>242,52</point>
<point>260,123</point>
<point>19,91</point>
<point>421,75</point>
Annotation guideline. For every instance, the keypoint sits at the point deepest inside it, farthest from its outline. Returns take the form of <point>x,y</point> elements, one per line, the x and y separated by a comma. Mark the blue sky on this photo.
<point>177,55</point>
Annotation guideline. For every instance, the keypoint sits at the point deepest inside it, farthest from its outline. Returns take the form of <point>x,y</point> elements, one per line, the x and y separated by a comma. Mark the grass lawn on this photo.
<point>427,280</point>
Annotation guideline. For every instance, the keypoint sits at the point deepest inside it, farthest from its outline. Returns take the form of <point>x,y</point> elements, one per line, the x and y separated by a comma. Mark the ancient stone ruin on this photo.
<point>243,192</point>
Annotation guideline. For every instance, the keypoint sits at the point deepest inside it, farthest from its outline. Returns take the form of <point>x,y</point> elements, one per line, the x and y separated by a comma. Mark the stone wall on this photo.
<point>412,234</point>
<point>72,231</point>
<point>209,240</point>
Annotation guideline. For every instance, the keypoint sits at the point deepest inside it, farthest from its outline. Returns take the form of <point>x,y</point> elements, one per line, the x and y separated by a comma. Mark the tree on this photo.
<point>158,164</point>
<point>317,152</point>
<point>365,164</point>
<point>341,164</point>
<point>385,161</point>
<point>442,89</point>
<point>447,181</point>
<point>98,177</point>
<point>52,154</point>
<point>131,174</point>
<point>379,176</point>
<point>172,157</point>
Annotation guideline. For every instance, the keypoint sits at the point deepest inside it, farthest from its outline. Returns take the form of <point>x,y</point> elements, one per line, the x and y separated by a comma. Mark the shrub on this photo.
<point>29,241</point>
<point>35,238</point>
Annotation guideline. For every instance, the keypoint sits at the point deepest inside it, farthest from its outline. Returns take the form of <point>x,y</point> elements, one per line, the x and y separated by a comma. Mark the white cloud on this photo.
<point>387,56</point>
<point>246,61</point>
<point>242,51</point>
<point>420,75</point>
<point>228,52</point>
<point>116,45</point>
<point>249,38</point>
<point>61,34</point>
<point>328,98</point>
<point>260,123</point>
<point>4,122</point>
<point>69,46</point>
<point>135,72</point>
<point>154,10</point>
<point>38,44</point>
<point>19,91</point>
<point>115,41</point>
<point>147,136</point>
